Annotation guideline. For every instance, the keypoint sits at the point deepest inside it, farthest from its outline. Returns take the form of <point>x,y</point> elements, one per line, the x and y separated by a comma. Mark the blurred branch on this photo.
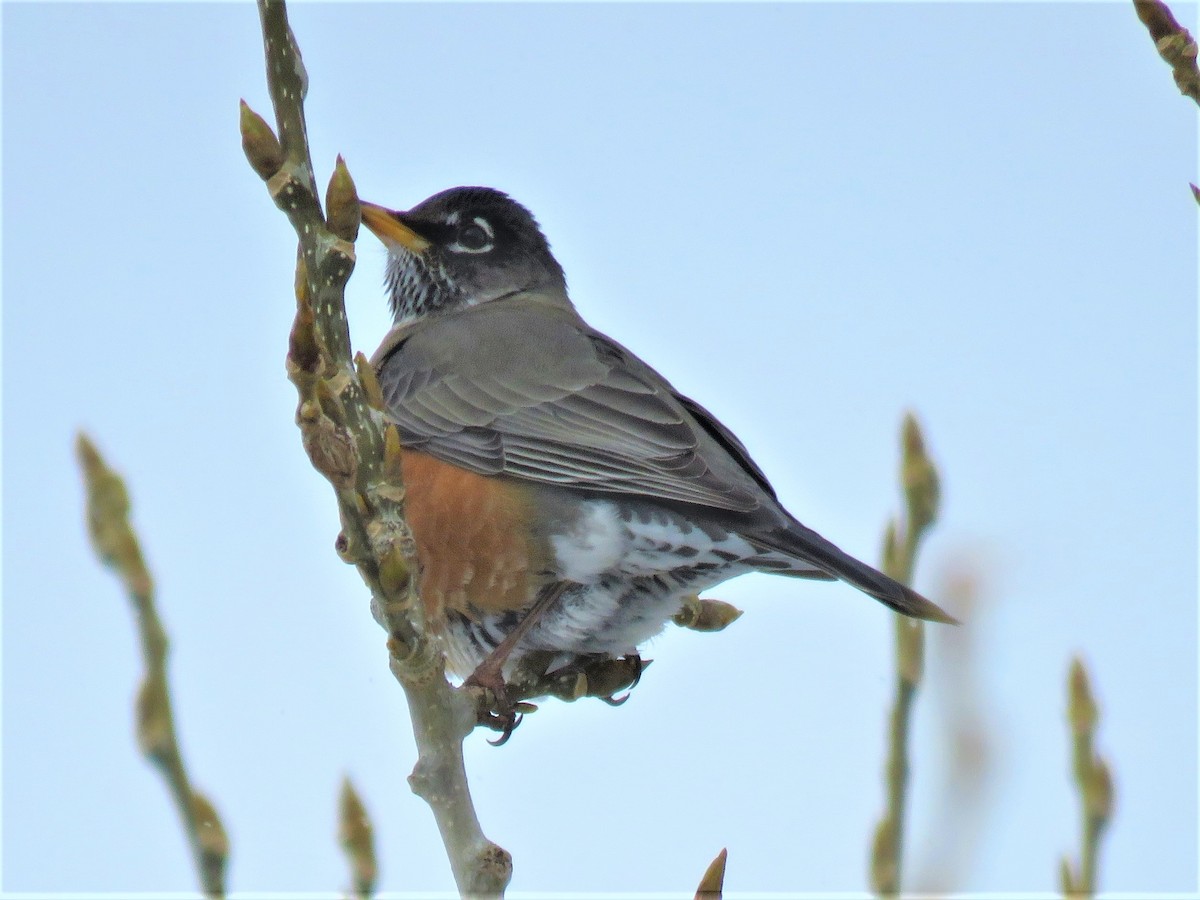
<point>1174,44</point>
<point>712,883</point>
<point>962,795</point>
<point>118,547</point>
<point>343,431</point>
<point>1094,780</point>
<point>921,494</point>
<point>357,837</point>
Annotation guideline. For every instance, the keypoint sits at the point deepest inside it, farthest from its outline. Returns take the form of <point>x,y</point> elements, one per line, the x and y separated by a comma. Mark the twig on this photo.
<point>966,779</point>
<point>356,835</point>
<point>117,546</point>
<point>1174,44</point>
<point>342,427</point>
<point>921,493</point>
<point>1094,779</point>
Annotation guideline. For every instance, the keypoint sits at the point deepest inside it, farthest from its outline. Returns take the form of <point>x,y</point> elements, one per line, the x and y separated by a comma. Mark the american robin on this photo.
<point>563,496</point>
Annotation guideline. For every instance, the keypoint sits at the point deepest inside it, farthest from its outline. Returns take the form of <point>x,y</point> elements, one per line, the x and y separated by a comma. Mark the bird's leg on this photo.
<point>489,674</point>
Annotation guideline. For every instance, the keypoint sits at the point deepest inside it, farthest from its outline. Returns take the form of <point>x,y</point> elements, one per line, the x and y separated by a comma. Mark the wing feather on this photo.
<point>543,397</point>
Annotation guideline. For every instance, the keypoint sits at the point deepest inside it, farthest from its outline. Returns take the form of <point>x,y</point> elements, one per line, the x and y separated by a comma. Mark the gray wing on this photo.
<point>528,390</point>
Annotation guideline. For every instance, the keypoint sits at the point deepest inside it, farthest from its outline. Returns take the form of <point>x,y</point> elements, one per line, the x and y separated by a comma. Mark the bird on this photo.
<point>563,496</point>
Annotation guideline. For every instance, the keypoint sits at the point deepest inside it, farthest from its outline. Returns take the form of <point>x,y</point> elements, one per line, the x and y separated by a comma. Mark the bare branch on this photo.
<point>1174,44</point>
<point>118,547</point>
<point>344,433</point>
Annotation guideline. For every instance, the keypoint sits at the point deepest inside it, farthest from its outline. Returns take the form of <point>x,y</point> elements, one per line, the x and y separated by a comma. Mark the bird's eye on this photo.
<point>473,237</point>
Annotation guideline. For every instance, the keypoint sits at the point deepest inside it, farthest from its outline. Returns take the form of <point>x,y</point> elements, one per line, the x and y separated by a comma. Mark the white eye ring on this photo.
<point>481,225</point>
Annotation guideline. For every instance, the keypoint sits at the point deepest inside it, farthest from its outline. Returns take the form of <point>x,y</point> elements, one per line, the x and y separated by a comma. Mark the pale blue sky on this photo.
<point>810,218</point>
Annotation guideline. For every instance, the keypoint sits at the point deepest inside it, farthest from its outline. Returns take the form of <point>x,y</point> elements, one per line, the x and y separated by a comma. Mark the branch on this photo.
<point>921,492</point>
<point>343,430</point>
<point>1174,44</point>
<point>118,547</point>
<point>966,780</point>
<point>1094,780</point>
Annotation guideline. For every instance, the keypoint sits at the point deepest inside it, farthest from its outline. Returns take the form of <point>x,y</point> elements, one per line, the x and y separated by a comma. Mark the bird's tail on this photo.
<point>809,548</point>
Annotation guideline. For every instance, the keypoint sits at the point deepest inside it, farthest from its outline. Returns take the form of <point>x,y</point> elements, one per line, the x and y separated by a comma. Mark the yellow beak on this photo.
<point>384,225</point>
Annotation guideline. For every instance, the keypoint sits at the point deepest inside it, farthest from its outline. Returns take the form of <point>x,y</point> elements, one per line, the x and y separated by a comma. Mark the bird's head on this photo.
<point>460,248</point>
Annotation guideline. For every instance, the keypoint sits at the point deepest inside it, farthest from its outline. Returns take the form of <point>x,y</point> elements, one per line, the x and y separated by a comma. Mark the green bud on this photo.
<point>356,835</point>
<point>1081,707</point>
<point>370,382</point>
<point>213,839</point>
<point>153,719</point>
<point>704,614</point>
<point>342,213</point>
<point>303,349</point>
<point>259,143</point>
<point>1099,791</point>
<point>921,488</point>
<point>713,880</point>
<point>393,572</point>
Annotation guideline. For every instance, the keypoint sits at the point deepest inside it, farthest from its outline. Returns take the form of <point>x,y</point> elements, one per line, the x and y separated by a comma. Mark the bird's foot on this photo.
<point>495,710</point>
<point>601,677</point>
<point>632,666</point>
<point>504,714</point>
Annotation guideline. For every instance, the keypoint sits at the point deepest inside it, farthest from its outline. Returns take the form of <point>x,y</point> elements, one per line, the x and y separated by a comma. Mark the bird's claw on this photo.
<point>495,710</point>
<point>602,677</point>
<point>505,724</point>
<point>639,666</point>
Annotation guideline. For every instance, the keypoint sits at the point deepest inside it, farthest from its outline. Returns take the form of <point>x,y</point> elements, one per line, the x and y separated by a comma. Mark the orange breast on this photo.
<point>473,538</point>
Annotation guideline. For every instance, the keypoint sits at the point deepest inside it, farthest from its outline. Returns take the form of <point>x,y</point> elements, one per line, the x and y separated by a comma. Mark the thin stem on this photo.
<point>117,545</point>
<point>1092,777</point>
<point>901,541</point>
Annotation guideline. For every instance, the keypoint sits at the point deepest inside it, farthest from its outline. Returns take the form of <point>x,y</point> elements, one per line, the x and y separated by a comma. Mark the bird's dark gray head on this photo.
<point>459,248</point>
